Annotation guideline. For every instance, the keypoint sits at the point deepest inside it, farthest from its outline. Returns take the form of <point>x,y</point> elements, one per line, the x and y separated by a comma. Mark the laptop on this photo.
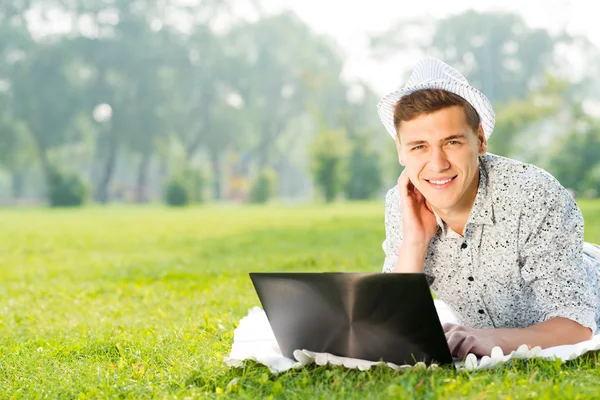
<point>369,316</point>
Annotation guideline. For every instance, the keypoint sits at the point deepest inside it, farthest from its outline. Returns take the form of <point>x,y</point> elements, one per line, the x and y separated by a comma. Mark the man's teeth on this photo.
<point>440,182</point>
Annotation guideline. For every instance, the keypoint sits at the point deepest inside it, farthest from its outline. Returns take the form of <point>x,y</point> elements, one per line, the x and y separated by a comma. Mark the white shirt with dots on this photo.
<point>522,259</point>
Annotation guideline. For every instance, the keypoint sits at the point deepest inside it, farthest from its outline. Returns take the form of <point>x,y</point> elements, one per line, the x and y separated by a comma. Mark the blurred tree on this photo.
<point>281,85</point>
<point>370,144</point>
<point>264,187</point>
<point>328,155</point>
<point>176,192</point>
<point>15,152</point>
<point>168,70</point>
<point>45,100</point>
<point>123,68</point>
<point>574,158</point>
<point>66,189</point>
<point>497,52</point>
<point>364,172</point>
<point>514,118</point>
<point>203,106</point>
<point>591,183</point>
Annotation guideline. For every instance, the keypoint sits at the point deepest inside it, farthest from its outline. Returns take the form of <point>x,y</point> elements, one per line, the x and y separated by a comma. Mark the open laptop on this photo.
<point>369,316</point>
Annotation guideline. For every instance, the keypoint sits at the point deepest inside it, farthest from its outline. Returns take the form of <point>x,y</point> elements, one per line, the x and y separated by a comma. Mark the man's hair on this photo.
<point>427,101</point>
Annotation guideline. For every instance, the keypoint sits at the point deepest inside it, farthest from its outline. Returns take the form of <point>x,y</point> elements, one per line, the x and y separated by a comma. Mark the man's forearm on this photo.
<point>554,332</point>
<point>411,258</point>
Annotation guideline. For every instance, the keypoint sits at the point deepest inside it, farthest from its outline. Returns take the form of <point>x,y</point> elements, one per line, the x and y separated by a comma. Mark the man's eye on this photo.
<point>453,142</point>
<point>419,147</point>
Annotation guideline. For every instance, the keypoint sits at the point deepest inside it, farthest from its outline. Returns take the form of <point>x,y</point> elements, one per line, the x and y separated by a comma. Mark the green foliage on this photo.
<point>176,192</point>
<point>66,189</point>
<point>95,319</point>
<point>514,118</point>
<point>264,187</point>
<point>15,143</point>
<point>195,180</point>
<point>186,186</point>
<point>575,157</point>
<point>364,171</point>
<point>591,183</point>
<point>328,162</point>
<point>503,56</point>
<point>208,92</point>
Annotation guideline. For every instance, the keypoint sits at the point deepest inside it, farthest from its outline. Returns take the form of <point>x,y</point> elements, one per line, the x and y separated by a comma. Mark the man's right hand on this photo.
<point>418,221</point>
<point>418,227</point>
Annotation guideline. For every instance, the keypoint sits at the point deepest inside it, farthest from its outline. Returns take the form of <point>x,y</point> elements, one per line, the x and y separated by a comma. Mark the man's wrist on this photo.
<point>411,257</point>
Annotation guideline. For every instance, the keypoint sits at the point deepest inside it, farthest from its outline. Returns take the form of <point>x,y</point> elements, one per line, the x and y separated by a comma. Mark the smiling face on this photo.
<point>440,152</point>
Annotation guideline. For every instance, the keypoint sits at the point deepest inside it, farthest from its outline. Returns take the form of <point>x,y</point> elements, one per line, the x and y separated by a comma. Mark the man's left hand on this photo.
<point>462,340</point>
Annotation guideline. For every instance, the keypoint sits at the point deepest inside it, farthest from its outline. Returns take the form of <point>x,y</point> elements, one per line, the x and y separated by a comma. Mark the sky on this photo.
<point>351,23</point>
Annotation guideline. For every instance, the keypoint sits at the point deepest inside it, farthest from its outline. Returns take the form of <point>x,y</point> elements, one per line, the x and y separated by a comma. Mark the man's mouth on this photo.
<point>441,183</point>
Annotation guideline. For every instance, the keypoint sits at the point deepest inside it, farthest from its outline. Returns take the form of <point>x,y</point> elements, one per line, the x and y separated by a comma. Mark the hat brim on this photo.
<point>478,100</point>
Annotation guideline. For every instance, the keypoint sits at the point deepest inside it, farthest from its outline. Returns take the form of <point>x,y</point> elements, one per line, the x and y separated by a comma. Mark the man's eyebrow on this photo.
<point>457,136</point>
<point>452,137</point>
<point>415,142</point>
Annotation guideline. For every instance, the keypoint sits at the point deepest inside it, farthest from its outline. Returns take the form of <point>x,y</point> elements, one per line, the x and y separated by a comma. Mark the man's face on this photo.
<point>439,151</point>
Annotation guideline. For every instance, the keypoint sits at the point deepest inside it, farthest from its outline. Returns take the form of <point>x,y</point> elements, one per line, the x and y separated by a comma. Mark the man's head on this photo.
<point>439,137</point>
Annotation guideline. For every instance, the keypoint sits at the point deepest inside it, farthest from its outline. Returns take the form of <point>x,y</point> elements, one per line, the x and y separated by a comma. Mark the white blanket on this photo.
<point>253,339</point>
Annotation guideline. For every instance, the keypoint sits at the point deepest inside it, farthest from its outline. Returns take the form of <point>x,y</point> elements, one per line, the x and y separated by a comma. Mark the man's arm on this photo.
<point>417,225</point>
<point>411,258</point>
<point>553,332</point>
<point>553,273</point>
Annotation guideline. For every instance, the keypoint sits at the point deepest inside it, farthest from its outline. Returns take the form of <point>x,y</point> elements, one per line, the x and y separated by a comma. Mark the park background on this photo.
<point>152,153</point>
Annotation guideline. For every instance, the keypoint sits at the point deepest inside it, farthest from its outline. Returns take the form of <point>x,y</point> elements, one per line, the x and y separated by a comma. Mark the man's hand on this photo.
<point>418,227</point>
<point>462,340</point>
<point>418,221</point>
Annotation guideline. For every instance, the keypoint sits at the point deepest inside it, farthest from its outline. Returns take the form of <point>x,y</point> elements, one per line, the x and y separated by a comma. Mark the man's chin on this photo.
<point>438,205</point>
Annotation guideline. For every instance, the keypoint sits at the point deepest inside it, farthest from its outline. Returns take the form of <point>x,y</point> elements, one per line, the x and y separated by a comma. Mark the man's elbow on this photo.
<point>573,332</point>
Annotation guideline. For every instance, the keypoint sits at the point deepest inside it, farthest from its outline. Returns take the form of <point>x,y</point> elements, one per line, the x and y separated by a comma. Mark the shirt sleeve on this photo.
<point>393,229</point>
<point>551,255</point>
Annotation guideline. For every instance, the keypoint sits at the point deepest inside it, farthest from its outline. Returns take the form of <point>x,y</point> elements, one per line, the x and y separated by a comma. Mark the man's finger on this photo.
<point>455,340</point>
<point>466,347</point>
<point>448,326</point>
<point>403,185</point>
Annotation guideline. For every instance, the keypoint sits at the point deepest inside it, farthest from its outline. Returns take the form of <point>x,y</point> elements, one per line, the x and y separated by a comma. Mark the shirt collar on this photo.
<point>482,212</point>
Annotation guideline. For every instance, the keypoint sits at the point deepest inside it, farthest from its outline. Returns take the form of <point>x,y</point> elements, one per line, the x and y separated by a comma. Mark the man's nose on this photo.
<point>438,161</point>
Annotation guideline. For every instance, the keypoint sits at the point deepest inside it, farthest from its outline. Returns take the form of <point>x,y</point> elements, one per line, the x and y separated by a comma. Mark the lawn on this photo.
<point>142,303</point>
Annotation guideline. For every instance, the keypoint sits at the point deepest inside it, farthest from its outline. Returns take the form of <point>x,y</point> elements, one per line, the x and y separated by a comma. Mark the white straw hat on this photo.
<point>431,73</point>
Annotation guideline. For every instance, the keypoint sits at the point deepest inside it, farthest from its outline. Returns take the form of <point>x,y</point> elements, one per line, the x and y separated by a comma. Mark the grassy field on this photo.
<point>142,303</point>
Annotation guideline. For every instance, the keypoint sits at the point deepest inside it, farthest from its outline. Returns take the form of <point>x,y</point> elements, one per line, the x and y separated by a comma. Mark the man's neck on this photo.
<point>455,221</point>
<point>457,217</point>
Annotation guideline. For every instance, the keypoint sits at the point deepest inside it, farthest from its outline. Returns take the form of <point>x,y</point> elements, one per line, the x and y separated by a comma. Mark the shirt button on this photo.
<point>471,278</point>
<point>464,245</point>
<point>481,312</point>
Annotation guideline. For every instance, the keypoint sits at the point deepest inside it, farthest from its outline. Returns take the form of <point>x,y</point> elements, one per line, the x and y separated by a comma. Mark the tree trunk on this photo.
<point>142,177</point>
<point>17,183</point>
<point>46,167</point>
<point>107,169</point>
<point>263,151</point>
<point>215,164</point>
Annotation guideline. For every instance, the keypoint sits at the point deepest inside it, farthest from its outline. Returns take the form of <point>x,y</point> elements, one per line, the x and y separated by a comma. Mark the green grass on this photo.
<point>142,303</point>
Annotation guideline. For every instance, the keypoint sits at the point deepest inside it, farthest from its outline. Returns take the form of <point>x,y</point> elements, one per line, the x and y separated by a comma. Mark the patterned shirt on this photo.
<point>522,259</point>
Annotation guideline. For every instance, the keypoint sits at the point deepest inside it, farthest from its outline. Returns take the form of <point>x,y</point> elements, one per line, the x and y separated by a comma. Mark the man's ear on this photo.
<point>482,140</point>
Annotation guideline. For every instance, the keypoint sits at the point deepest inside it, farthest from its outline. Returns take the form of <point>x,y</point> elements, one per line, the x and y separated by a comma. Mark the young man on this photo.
<point>501,242</point>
